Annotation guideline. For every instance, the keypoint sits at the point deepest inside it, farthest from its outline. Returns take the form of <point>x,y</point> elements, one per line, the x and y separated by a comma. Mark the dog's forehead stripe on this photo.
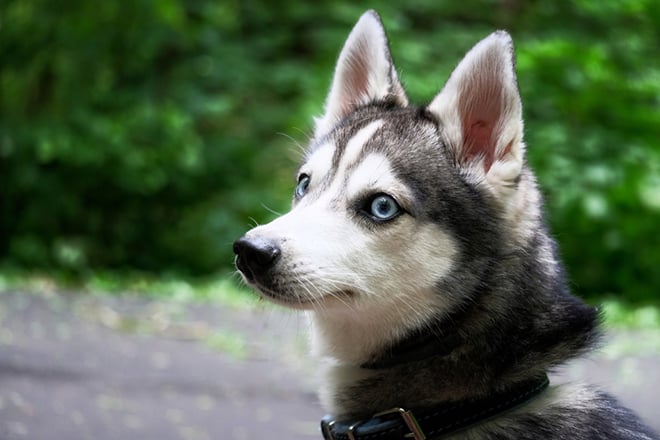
<point>355,144</point>
<point>374,173</point>
<point>320,161</point>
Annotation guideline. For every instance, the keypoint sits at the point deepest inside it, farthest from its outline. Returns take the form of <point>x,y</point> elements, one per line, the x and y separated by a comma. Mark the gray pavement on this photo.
<point>96,367</point>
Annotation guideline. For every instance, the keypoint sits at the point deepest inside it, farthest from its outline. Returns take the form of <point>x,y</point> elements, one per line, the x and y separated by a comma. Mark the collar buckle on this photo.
<point>416,432</point>
<point>326,429</point>
<point>411,422</point>
<point>351,430</point>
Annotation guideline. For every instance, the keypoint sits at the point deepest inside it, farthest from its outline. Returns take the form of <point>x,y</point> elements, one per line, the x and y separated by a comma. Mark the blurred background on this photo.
<point>139,139</point>
<point>145,136</point>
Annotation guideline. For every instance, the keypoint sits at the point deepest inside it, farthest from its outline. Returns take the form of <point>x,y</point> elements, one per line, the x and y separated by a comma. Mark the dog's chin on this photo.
<point>320,302</point>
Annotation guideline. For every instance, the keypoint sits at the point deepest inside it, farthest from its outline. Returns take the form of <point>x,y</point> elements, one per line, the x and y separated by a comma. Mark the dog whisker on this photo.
<point>272,211</point>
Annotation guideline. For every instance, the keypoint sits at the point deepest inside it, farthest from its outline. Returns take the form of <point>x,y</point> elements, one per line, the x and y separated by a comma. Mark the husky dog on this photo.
<point>417,242</point>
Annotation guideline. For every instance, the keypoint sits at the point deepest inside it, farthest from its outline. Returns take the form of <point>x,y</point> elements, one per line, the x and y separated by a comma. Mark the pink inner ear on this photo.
<point>356,77</point>
<point>481,109</point>
<point>477,139</point>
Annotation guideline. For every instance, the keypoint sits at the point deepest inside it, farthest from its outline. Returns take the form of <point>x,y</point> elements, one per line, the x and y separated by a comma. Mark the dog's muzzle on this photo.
<point>255,256</point>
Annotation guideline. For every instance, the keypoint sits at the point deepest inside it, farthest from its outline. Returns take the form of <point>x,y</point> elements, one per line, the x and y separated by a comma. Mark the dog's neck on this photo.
<point>418,346</point>
<point>359,353</point>
<point>360,335</point>
<point>455,356</point>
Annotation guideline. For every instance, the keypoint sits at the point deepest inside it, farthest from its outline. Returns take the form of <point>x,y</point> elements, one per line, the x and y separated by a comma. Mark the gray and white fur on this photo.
<point>427,219</point>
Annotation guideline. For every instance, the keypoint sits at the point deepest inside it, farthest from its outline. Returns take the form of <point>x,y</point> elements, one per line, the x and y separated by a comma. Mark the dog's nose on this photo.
<point>255,255</point>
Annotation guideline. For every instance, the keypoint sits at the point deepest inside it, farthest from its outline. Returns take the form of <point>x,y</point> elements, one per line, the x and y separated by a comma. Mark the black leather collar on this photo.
<point>434,422</point>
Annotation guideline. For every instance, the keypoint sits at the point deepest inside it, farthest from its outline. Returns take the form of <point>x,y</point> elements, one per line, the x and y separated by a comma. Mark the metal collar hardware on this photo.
<point>416,432</point>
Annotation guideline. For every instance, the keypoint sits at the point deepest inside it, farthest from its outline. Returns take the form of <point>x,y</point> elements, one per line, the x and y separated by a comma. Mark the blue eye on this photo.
<point>303,184</point>
<point>384,207</point>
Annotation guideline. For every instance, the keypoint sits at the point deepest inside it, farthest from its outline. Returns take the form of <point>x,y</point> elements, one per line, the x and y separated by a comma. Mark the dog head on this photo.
<point>395,204</point>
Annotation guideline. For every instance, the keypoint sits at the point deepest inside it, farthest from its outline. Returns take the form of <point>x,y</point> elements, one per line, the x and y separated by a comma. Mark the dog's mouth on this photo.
<point>306,301</point>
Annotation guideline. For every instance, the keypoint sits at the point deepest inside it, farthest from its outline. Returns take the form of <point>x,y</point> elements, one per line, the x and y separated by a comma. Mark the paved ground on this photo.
<point>83,367</point>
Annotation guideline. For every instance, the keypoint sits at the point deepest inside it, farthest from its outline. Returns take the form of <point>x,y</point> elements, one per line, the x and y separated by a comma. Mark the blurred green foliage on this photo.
<point>150,134</point>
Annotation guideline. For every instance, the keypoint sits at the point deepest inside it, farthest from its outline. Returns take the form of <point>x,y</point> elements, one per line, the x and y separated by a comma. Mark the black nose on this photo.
<point>255,256</point>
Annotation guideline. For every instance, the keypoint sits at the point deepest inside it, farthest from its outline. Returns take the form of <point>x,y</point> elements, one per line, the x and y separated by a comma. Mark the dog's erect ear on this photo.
<point>480,111</point>
<point>364,73</point>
